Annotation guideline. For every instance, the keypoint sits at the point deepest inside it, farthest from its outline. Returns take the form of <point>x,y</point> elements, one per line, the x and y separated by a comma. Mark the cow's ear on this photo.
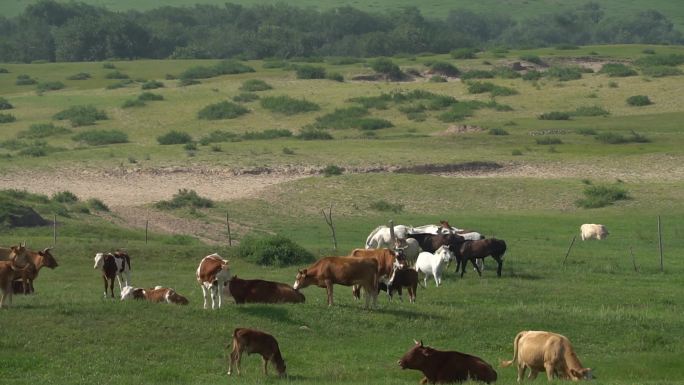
<point>302,272</point>
<point>576,374</point>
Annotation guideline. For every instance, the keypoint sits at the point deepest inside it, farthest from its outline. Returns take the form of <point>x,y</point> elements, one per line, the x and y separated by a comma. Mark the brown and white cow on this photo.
<point>261,291</point>
<point>440,366</point>
<point>212,274</point>
<point>545,351</point>
<point>114,265</point>
<point>155,295</point>
<point>254,341</point>
<point>342,271</point>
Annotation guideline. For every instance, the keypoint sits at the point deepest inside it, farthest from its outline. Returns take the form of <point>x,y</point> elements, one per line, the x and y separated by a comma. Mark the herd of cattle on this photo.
<point>393,259</point>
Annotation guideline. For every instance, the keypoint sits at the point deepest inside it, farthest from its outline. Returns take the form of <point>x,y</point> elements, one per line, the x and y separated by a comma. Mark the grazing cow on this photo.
<point>381,237</point>
<point>213,273</point>
<point>474,250</point>
<point>38,260</point>
<point>432,242</point>
<point>433,264</point>
<point>254,341</point>
<point>114,265</point>
<point>402,276</point>
<point>386,259</point>
<point>156,294</point>
<point>440,367</point>
<point>260,291</point>
<point>342,271</point>
<point>593,231</point>
<point>545,351</point>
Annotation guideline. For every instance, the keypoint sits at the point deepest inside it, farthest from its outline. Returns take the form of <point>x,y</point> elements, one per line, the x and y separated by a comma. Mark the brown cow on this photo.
<point>441,367</point>
<point>260,291</point>
<point>472,250</point>
<point>8,273</point>
<point>156,294</point>
<point>212,274</point>
<point>385,258</point>
<point>342,271</point>
<point>37,260</point>
<point>255,341</point>
<point>545,351</point>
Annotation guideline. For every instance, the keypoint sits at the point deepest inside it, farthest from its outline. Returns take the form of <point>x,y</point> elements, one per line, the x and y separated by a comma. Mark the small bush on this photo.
<point>97,205</point>
<point>151,85</point>
<point>617,70</point>
<point>81,115</point>
<point>273,250</point>
<point>188,82</point>
<point>218,136</point>
<point>614,138</point>
<point>38,131</point>
<point>5,104</point>
<point>548,140</point>
<point>216,148</point>
<point>344,60</point>
<point>226,67</point>
<point>101,137</point>
<point>648,51</point>
<point>382,205</point>
<point>133,103</point>
<point>564,73</point>
<point>267,134</point>
<point>254,85</point>
<point>149,96</point>
<point>671,60</point>
<point>506,73</point>
<point>310,72</point>
<point>590,111</point>
<point>25,80</point>
<point>341,118</point>
<point>34,151</point>
<point>532,59</point>
<point>516,153</point>
<point>116,75</point>
<point>7,118</point>
<point>437,79</point>
<point>497,131</point>
<point>222,110</point>
<point>191,146</point>
<point>586,131</point>
<point>387,67</point>
<point>122,84</point>
<point>374,123</point>
<point>314,134</point>
<point>245,97</point>
<point>335,76</point>
<point>4,70</point>
<point>661,71</point>
<point>464,53</point>
<point>613,84</point>
<point>288,151</point>
<point>332,169</point>
<point>174,137</point>
<point>482,87</point>
<point>532,75</point>
<point>444,68</point>
<point>185,198</point>
<point>274,64</point>
<point>596,196</point>
<point>49,86</point>
<point>555,115</point>
<point>79,76</point>
<point>64,197</point>
<point>288,105</point>
<point>477,74</point>
<point>639,100</point>
<point>109,66</point>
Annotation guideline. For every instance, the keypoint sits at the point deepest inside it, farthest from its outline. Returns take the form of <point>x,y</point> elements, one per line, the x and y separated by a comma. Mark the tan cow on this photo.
<point>385,258</point>
<point>545,351</point>
<point>593,231</point>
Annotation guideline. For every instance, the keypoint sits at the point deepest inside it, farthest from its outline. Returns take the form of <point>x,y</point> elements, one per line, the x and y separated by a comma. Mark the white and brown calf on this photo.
<point>212,274</point>
<point>156,295</point>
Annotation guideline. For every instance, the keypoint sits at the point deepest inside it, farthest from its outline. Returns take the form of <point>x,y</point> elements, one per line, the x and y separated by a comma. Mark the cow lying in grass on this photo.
<point>260,291</point>
<point>254,341</point>
<point>156,295</point>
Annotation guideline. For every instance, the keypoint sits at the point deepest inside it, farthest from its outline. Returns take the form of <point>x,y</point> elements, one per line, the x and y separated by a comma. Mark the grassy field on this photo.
<point>625,324</point>
<point>433,8</point>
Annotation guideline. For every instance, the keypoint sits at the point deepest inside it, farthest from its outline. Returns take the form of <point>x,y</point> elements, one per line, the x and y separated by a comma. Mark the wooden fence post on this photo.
<point>54,230</point>
<point>633,260</point>
<point>147,225</point>
<point>329,221</point>
<point>230,238</point>
<point>569,248</point>
<point>660,245</point>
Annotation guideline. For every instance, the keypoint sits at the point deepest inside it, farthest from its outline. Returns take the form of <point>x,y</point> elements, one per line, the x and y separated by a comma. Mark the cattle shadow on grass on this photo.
<point>271,312</point>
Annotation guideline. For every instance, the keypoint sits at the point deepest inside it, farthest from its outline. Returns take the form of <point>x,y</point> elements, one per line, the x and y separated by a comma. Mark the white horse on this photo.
<point>433,264</point>
<point>381,238</point>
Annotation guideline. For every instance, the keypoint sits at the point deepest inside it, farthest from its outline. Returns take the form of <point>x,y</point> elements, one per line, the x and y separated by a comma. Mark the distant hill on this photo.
<point>673,9</point>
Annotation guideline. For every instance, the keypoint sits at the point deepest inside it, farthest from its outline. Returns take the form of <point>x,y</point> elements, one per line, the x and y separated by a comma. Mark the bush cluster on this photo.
<point>49,86</point>
<point>245,97</point>
<point>101,137</point>
<point>267,134</point>
<point>493,89</point>
<point>555,115</point>
<point>185,198</point>
<point>226,67</point>
<point>81,115</point>
<point>564,73</point>
<point>661,71</point>
<point>116,75</point>
<point>383,205</point>
<point>273,250</point>
<point>79,76</point>
<point>314,134</point>
<point>596,196</point>
<point>617,70</point>
<point>310,72</point>
<point>464,53</point>
<point>151,85</point>
<point>174,137</point>
<point>7,118</point>
<point>43,130</point>
<point>444,68</point>
<point>639,100</point>
<point>287,105</point>
<point>5,104</point>
<point>615,138</point>
<point>222,110</point>
<point>25,80</point>
<point>254,85</point>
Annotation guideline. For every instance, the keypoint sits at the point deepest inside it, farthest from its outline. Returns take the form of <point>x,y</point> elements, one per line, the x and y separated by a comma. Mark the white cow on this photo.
<point>380,237</point>
<point>593,231</point>
<point>433,264</point>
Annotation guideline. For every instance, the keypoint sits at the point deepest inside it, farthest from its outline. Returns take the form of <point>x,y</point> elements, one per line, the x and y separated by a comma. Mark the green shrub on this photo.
<point>332,169</point>
<point>151,85</point>
<point>116,75</point>
<point>49,86</point>
<point>38,131</point>
<point>97,205</point>
<point>191,146</point>
<point>661,71</point>
<point>462,110</point>
<point>274,64</point>
<point>497,131</point>
<point>133,103</point>
<point>185,198</point>
<point>79,76</point>
<point>516,153</point>
<point>374,123</point>
<point>596,196</point>
<point>614,138</point>
<point>222,110</point>
<point>617,70</point>
<point>671,60</point>
<point>121,84</point>
<point>437,79</point>
<point>335,76</point>
<point>387,67</point>
<point>590,111</point>
<point>613,84</point>
<point>109,66</point>
<point>532,59</point>
<point>267,134</point>
<point>5,104</point>
<point>273,250</point>
<point>639,100</point>
<point>226,67</point>
<point>344,60</point>
<point>506,73</point>
<point>218,136</point>
<point>288,151</point>
<point>532,75</point>
<point>253,85</point>
<point>174,137</point>
<point>564,73</point>
<point>477,74</point>
<point>648,51</point>
<point>566,47</point>
<point>81,115</point>
<point>495,90</point>
<point>25,80</point>
<point>7,118</point>
<point>555,115</point>
<point>310,72</point>
<point>444,68</point>
<point>188,82</point>
<point>101,137</point>
<point>586,131</point>
<point>287,105</point>
<point>382,205</point>
<point>341,118</point>
<point>149,96</point>
<point>245,97</point>
<point>548,140</point>
<point>34,151</point>
<point>4,70</point>
<point>464,53</point>
<point>314,134</point>
<point>64,197</point>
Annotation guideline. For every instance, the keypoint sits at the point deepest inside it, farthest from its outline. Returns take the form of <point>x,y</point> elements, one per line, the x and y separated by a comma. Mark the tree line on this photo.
<point>52,31</point>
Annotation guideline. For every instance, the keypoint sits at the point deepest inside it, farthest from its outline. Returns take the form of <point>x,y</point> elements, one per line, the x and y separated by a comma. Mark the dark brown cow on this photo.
<point>432,242</point>
<point>155,295</point>
<point>254,341</point>
<point>472,250</point>
<point>441,367</point>
<point>342,271</point>
<point>404,277</point>
<point>260,291</point>
<point>385,258</point>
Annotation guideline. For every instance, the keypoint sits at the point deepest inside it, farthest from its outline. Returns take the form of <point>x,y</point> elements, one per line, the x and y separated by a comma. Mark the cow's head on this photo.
<point>581,374</point>
<point>130,292</point>
<point>280,365</point>
<point>417,357</point>
<point>176,298</point>
<point>48,259</point>
<point>302,280</point>
<point>99,260</point>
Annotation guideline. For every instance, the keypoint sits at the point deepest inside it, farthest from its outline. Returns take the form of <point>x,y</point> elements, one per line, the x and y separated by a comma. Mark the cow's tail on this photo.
<point>370,237</point>
<point>505,364</point>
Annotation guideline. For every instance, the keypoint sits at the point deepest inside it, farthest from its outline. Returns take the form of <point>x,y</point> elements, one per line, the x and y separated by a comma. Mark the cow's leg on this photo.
<point>204,294</point>
<point>219,291</point>
<point>412,292</point>
<point>214,292</point>
<point>499,260</point>
<point>111,286</point>
<point>105,285</point>
<point>521,371</point>
<point>438,277</point>
<point>265,365</point>
<point>549,371</point>
<point>533,374</point>
<point>463,266</point>
<point>329,290</point>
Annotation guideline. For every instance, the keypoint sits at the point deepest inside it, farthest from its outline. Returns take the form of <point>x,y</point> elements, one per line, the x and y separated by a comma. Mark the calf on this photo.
<point>446,366</point>
<point>402,277</point>
<point>114,265</point>
<point>473,250</point>
<point>255,341</point>
<point>260,291</point>
<point>156,294</point>
<point>212,274</point>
